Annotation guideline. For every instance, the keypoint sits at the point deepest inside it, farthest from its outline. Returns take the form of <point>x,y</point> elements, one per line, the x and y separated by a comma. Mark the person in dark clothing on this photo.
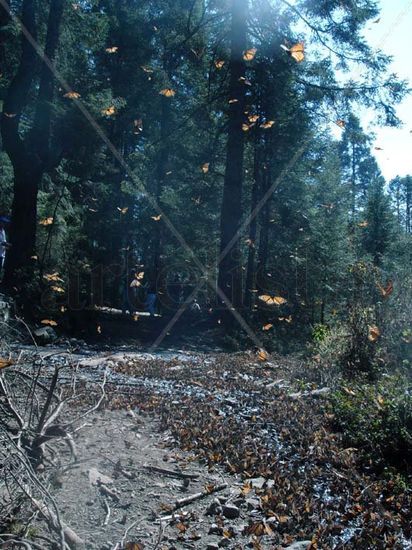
<point>151,300</point>
<point>4,245</point>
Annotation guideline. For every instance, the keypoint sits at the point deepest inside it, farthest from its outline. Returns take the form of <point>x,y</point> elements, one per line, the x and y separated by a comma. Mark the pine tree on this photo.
<point>379,220</point>
<point>401,193</point>
<point>359,167</point>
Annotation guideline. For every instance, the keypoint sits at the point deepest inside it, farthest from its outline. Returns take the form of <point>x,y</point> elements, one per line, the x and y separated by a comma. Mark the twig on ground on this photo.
<point>162,527</point>
<point>126,533</point>
<point>197,496</point>
<point>171,473</point>
<point>108,511</point>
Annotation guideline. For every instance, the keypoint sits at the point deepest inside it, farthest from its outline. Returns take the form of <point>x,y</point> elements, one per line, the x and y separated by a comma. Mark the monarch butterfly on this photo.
<point>297,51</point>
<point>273,300</point>
<point>249,55</point>
<point>167,92</point>
<point>262,355</point>
<point>72,95</point>
<point>268,124</point>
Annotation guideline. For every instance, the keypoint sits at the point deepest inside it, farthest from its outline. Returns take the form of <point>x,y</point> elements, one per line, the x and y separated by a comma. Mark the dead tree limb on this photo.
<point>197,496</point>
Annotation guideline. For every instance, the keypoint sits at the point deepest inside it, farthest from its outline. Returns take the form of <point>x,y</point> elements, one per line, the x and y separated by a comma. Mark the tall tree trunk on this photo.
<point>4,20</point>
<point>23,223</point>
<point>398,203</point>
<point>30,158</point>
<point>251,272</point>
<point>161,169</point>
<point>408,197</point>
<point>42,121</point>
<point>264,224</point>
<point>353,182</point>
<point>230,269</point>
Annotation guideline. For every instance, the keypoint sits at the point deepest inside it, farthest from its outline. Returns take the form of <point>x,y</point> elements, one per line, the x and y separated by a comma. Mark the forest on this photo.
<point>197,241</point>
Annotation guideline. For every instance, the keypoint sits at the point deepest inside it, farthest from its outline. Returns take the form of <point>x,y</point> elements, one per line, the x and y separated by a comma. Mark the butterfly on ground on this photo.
<point>5,363</point>
<point>262,355</point>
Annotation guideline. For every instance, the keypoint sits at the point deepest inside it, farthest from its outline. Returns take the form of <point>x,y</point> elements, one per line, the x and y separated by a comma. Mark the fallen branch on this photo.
<point>197,496</point>
<point>70,537</point>
<point>171,473</point>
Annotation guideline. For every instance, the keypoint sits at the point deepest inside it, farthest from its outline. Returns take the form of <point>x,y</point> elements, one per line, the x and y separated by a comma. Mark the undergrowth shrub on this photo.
<point>377,419</point>
<point>320,332</point>
<point>397,315</point>
<point>362,349</point>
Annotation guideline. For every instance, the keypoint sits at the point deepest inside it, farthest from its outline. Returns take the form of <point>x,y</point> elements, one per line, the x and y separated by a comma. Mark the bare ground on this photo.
<point>123,446</point>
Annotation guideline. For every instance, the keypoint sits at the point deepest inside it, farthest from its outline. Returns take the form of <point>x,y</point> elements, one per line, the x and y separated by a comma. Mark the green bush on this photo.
<point>377,419</point>
<point>361,352</point>
<point>320,332</point>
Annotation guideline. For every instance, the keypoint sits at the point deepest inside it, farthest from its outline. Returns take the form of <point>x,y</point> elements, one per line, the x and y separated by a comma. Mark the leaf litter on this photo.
<point>290,478</point>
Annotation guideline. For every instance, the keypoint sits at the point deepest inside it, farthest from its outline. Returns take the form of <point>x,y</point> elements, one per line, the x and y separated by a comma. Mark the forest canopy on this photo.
<point>215,145</point>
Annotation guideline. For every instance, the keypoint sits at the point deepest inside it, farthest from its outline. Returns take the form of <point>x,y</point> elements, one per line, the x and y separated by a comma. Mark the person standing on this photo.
<point>4,245</point>
<point>151,300</point>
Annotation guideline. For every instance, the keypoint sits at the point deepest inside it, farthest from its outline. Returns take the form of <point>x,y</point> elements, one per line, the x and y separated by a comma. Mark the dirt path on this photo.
<point>124,447</point>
